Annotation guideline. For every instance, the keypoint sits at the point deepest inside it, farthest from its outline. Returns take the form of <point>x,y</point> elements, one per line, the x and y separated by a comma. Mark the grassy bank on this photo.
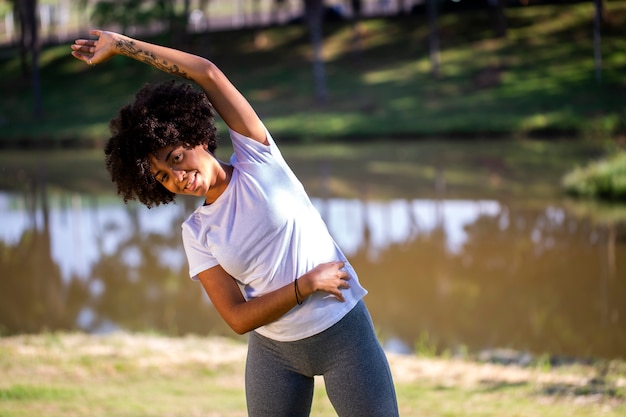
<point>539,80</point>
<point>602,179</point>
<point>73,375</point>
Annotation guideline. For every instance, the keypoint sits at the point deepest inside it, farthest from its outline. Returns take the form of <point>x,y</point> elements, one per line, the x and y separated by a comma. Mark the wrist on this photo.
<point>299,297</point>
<point>305,286</point>
<point>127,46</point>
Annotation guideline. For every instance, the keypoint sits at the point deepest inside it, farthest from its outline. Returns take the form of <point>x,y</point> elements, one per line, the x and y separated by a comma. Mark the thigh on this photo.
<point>358,379</point>
<point>273,387</point>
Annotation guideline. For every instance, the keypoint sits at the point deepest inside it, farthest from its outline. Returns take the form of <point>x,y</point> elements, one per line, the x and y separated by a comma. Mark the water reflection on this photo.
<point>474,274</point>
<point>379,225</point>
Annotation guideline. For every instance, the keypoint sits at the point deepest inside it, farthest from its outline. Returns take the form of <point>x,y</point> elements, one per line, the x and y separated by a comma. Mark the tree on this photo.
<point>178,22</point>
<point>29,48</point>
<point>314,10</point>
<point>433,37</point>
<point>499,17</point>
<point>597,39</point>
<point>126,13</point>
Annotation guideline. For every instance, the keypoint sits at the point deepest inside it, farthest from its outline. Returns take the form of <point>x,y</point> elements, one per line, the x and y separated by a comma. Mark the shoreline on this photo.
<point>130,374</point>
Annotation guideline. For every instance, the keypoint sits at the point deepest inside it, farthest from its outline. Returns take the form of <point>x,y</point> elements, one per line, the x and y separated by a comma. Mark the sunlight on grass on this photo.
<point>544,64</point>
<point>542,120</point>
<point>49,55</point>
<point>404,72</point>
<point>317,124</point>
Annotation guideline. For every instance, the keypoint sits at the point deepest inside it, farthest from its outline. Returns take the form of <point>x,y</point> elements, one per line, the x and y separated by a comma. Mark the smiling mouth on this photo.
<point>192,183</point>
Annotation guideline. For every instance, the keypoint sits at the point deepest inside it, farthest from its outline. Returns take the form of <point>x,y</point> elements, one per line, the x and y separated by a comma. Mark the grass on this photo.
<point>540,80</point>
<point>69,374</point>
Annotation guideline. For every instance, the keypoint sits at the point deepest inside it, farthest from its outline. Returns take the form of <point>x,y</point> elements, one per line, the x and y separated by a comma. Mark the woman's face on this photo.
<point>184,170</point>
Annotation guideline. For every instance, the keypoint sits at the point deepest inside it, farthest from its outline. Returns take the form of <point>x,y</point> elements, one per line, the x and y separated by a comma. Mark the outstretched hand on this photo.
<point>95,51</point>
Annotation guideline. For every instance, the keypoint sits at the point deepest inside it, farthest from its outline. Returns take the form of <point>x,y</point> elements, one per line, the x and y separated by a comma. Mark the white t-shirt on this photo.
<point>265,232</point>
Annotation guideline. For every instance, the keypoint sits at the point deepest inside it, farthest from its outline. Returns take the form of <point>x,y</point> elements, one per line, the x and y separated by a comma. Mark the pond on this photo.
<point>451,274</point>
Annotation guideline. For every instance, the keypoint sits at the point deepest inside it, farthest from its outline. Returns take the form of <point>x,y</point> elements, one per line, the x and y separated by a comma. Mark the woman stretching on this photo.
<point>258,246</point>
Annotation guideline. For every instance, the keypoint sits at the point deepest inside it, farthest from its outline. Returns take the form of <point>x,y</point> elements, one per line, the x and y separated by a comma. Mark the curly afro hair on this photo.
<point>164,114</point>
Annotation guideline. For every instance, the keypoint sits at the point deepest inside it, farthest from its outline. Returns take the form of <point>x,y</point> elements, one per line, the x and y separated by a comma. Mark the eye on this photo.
<point>163,178</point>
<point>178,157</point>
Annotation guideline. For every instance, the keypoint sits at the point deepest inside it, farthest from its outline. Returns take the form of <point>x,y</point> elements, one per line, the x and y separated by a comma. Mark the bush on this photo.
<point>604,179</point>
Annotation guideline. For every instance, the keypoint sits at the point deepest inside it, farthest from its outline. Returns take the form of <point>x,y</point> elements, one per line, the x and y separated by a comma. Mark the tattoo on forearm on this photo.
<point>131,50</point>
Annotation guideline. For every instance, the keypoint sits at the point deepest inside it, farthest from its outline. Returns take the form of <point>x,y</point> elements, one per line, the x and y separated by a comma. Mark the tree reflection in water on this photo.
<point>472,274</point>
<point>33,295</point>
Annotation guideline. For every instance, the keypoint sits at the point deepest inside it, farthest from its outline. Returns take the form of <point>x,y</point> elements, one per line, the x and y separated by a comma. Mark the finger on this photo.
<point>80,56</point>
<point>84,48</point>
<point>95,32</point>
<point>343,275</point>
<point>85,58</point>
<point>86,44</point>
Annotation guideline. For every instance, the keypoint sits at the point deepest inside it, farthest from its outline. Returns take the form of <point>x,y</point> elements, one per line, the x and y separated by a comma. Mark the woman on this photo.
<point>257,244</point>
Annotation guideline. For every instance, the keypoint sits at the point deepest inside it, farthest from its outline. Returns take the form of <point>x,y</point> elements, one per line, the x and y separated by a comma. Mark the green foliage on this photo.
<point>536,81</point>
<point>603,179</point>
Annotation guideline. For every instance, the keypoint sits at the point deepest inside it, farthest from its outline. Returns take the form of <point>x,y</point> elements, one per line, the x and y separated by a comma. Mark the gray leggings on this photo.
<point>279,375</point>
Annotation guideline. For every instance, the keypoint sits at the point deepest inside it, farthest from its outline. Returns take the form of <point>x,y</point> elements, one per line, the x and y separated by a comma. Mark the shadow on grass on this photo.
<point>490,385</point>
<point>594,387</point>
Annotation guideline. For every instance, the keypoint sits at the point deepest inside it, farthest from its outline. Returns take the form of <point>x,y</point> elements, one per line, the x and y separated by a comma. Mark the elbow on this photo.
<point>242,317</point>
<point>240,326</point>
<point>240,331</point>
<point>210,72</point>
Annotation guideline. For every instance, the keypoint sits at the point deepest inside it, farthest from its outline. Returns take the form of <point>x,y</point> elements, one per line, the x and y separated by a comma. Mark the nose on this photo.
<point>178,175</point>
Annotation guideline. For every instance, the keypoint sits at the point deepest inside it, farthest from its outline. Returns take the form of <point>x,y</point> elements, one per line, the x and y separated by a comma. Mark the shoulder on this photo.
<point>249,150</point>
<point>193,225</point>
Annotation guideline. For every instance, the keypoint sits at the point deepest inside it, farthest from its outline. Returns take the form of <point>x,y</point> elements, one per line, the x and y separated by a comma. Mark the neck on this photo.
<point>222,179</point>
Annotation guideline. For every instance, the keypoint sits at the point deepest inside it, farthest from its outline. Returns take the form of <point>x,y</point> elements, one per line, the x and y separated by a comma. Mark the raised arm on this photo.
<point>228,102</point>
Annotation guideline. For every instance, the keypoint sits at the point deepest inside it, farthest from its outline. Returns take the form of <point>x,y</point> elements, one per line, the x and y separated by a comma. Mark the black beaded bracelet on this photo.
<point>295,288</point>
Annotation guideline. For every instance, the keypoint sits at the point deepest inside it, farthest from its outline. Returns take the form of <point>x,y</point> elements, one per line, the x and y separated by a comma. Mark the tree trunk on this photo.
<point>401,8</point>
<point>433,37</point>
<point>184,22</point>
<point>29,47</point>
<point>597,40</point>
<point>356,28</point>
<point>600,4</point>
<point>178,24</point>
<point>313,12</point>
<point>22,40</point>
<point>205,48</point>
<point>499,17</point>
